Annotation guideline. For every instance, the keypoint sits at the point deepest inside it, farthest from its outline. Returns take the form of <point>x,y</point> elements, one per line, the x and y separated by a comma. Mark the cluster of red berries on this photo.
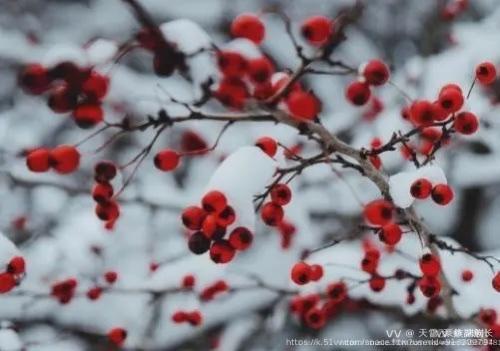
<point>64,290</point>
<point>380,213</point>
<point>314,311</point>
<point>117,336</point>
<point>303,273</point>
<point>63,159</point>
<point>107,209</point>
<point>209,223</point>
<point>13,273</point>
<point>192,317</point>
<point>95,292</point>
<point>272,212</point>
<point>214,289</point>
<point>429,284</point>
<point>372,73</point>
<point>70,88</point>
<point>441,194</point>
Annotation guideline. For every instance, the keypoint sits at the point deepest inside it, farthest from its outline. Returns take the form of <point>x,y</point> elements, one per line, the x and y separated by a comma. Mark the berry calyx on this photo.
<point>248,26</point>
<point>442,194</point>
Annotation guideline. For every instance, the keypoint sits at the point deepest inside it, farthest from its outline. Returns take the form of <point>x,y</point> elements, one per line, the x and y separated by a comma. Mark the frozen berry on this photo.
<point>378,212</point>
<point>272,214</point>
<point>248,25</point>
<point>16,265</point>
<point>429,286</point>
<point>301,273</point>
<point>442,194</point>
<point>451,99</point>
<point>7,282</point>
<point>64,159</point>
<point>430,265</point>
<point>317,29</point>
<point>260,69</point>
<point>226,217</point>
<point>303,105</point>
<point>281,194</point>
<point>268,145</point>
<point>377,283</point>
<point>107,211</point>
<point>376,72</point>
<point>117,336</point>
<point>214,201</point>
<point>422,113</point>
<point>467,275</point>
<point>38,160</point>
<point>232,64</point>
<point>358,93</point>
<point>315,318</point>
<point>110,277</point>
<point>167,160</point>
<point>221,251</point>
<point>337,291</point>
<point>316,272</point>
<point>95,86</point>
<point>193,217</point>
<point>62,99</point>
<point>198,243</point>
<point>421,188</point>
<point>466,123</point>
<point>102,192</point>
<point>34,79</point>
<point>391,234</point>
<point>496,282</point>
<point>87,115</point>
<point>241,238</point>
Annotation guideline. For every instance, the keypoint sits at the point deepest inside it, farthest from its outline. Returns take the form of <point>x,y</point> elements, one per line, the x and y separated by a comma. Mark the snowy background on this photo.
<point>50,218</point>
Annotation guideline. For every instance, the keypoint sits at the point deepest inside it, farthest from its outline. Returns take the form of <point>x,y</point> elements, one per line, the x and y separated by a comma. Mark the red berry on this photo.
<point>248,26</point>
<point>188,281</point>
<point>62,99</point>
<point>391,234</point>
<point>488,316</point>
<point>221,252</point>
<point>102,192</point>
<point>337,291</point>
<point>87,115</point>
<point>193,217</point>
<point>317,29</point>
<point>209,226</point>
<point>358,93</point>
<point>167,160</point>
<point>281,194</point>
<point>7,282</point>
<point>107,211</point>
<point>301,273</point>
<point>376,72</point>
<point>421,188</point>
<point>241,238</point>
<point>451,99</point>
<point>467,275</point>
<point>16,265</point>
<point>232,92</point>
<point>38,160</point>
<point>232,64</point>
<point>272,214</point>
<point>422,113</point>
<point>260,69</point>
<point>466,123</point>
<point>263,91</point>
<point>376,161</point>
<point>496,282</point>
<point>34,79</point>
<point>378,212</point>
<point>442,194</point>
<point>440,114</point>
<point>179,317</point>
<point>110,277</point>
<point>95,86</point>
<point>117,336</point>
<point>104,171</point>
<point>268,145</point>
<point>315,318</point>
<point>377,283</point>
<point>198,243</point>
<point>214,201</point>
<point>192,142</point>
<point>429,286</point>
<point>486,72</point>
<point>94,293</point>
<point>64,159</point>
<point>303,105</point>
<point>226,217</point>
<point>316,272</point>
<point>430,265</point>
<point>195,318</point>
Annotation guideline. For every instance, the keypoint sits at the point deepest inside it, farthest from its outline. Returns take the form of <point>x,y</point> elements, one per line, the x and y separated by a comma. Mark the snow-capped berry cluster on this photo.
<point>63,159</point>
<point>107,209</point>
<point>70,88</point>
<point>441,194</point>
<point>372,73</point>
<point>13,273</point>
<point>209,224</point>
<point>272,212</point>
<point>194,318</point>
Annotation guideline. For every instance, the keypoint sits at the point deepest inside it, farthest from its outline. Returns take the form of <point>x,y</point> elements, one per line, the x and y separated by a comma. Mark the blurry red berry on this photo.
<point>95,87</point>
<point>488,315</point>
<point>38,160</point>
<point>102,192</point>
<point>466,123</point>
<point>430,265</point>
<point>422,113</point>
<point>104,171</point>
<point>316,272</point>
<point>301,273</point>
<point>214,201</point>
<point>467,275</point>
<point>193,217</point>
<point>391,234</point>
<point>358,93</point>
<point>377,283</point>
<point>442,194</point>
<point>486,72</point>
<point>378,212</point>
<point>248,26</point>
<point>165,61</point>
<point>110,277</point>
<point>337,291</point>
<point>188,281</point>
<point>87,115</point>
<point>62,99</point>
<point>317,29</point>
<point>268,145</point>
<point>281,194</point>
<point>107,211</point>
<point>315,318</point>
<point>496,282</point>
<point>179,317</point>
<point>34,79</point>
<point>16,265</point>
<point>221,252</point>
<point>64,159</point>
<point>376,72</point>
<point>198,243</point>
<point>451,99</point>
<point>241,238</point>
<point>195,318</point>
<point>260,69</point>
<point>303,105</point>
<point>117,336</point>
<point>7,282</point>
<point>232,64</point>
<point>421,188</point>
<point>430,286</point>
<point>167,160</point>
<point>192,141</point>
<point>232,92</point>
<point>94,293</point>
<point>226,217</point>
<point>272,214</point>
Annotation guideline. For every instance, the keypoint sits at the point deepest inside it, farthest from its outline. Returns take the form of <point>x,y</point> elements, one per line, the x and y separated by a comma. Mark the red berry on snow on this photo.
<point>110,277</point>
<point>315,318</point>
<point>188,281</point>
<point>301,273</point>
<point>376,72</point>
<point>241,238</point>
<point>429,286</point>
<point>358,93</point>
<point>226,217</point>
<point>117,336</point>
<point>496,282</point>
<point>193,217</point>
<point>272,214</point>
<point>488,316</point>
<point>64,159</point>
<point>467,275</point>
<point>38,160</point>
<point>7,282</point>
<point>391,234</point>
<point>167,160</point>
<point>107,211</point>
<point>303,105</point>
<point>248,26</point>
<point>421,188</point>
<point>221,251</point>
<point>104,171</point>
<point>62,99</point>
<point>466,123</point>
<point>486,72</point>
<point>451,99</point>
<point>442,194</point>
<point>195,318</point>
<point>337,291</point>
<point>316,272</point>
<point>422,113</point>
<point>87,115</point>
<point>179,317</point>
<point>281,194</point>
<point>94,293</point>
<point>192,142</point>
<point>214,201</point>
<point>378,212</point>
<point>377,283</point>
<point>95,87</point>
<point>430,265</point>
<point>102,192</point>
<point>317,29</point>
<point>16,265</point>
<point>198,243</point>
<point>232,64</point>
<point>34,79</point>
<point>260,69</point>
<point>268,145</point>
<point>232,92</point>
